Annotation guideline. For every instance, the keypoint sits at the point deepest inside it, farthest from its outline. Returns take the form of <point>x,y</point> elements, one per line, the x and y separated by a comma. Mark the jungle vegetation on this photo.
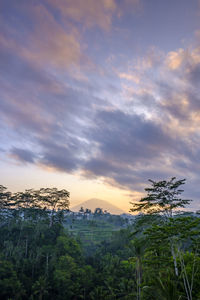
<point>157,257</point>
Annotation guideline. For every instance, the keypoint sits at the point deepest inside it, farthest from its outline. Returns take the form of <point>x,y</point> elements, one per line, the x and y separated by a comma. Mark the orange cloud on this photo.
<point>175,59</point>
<point>195,56</point>
<point>92,12</point>
<point>50,43</point>
<point>150,60</point>
<point>47,43</point>
<point>130,77</point>
<point>88,12</point>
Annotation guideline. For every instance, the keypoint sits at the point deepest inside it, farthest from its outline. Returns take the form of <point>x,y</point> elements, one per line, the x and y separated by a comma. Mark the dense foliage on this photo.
<point>155,258</point>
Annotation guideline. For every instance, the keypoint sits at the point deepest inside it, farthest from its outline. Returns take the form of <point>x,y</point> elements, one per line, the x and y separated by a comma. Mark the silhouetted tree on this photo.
<point>98,211</point>
<point>5,197</point>
<point>163,197</point>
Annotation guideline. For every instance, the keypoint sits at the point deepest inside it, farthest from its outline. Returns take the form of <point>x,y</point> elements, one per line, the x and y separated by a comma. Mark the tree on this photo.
<point>27,199</point>
<point>10,286</point>
<point>98,211</point>
<point>40,288</point>
<point>182,234</point>
<point>81,210</point>
<point>5,197</point>
<point>162,198</point>
<point>53,199</point>
<point>88,211</point>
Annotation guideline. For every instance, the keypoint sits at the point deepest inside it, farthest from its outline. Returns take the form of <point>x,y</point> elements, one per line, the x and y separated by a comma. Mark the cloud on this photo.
<point>129,147</point>
<point>59,157</point>
<point>122,123</point>
<point>154,134</point>
<point>175,59</point>
<point>61,51</point>
<point>130,77</point>
<point>74,131</point>
<point>45,41</point>
<point>91,13</point>
<point>88,12</point>
<point>42,110</point>
<point>123,135</point>
<point>22,155</point>
<point>35,99</point>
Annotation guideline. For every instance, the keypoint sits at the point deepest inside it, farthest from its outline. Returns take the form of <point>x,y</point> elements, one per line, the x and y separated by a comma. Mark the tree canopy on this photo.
<point>163,197</point>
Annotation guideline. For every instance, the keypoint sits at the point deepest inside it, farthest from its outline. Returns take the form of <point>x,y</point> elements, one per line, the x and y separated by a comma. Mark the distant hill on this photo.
<point>94,203</point>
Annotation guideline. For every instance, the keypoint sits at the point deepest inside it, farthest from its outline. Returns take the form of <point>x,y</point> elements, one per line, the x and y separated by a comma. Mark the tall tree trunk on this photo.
<point>26,251</point>
<point>47,264</point>
<point>174,259</point>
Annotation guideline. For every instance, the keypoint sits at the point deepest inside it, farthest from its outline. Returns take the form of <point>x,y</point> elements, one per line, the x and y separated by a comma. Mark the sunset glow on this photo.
<point>98,96</point>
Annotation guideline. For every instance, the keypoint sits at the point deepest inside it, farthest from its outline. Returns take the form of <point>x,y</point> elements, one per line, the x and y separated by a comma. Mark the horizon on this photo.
<point>99,98</point>
<point>98,203</point>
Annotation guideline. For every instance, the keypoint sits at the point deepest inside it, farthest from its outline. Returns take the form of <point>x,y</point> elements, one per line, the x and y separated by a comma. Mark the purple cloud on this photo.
<point>23,155</point>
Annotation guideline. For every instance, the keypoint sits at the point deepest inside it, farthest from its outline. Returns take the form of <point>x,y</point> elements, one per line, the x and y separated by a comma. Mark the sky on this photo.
<point>97,97</point>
